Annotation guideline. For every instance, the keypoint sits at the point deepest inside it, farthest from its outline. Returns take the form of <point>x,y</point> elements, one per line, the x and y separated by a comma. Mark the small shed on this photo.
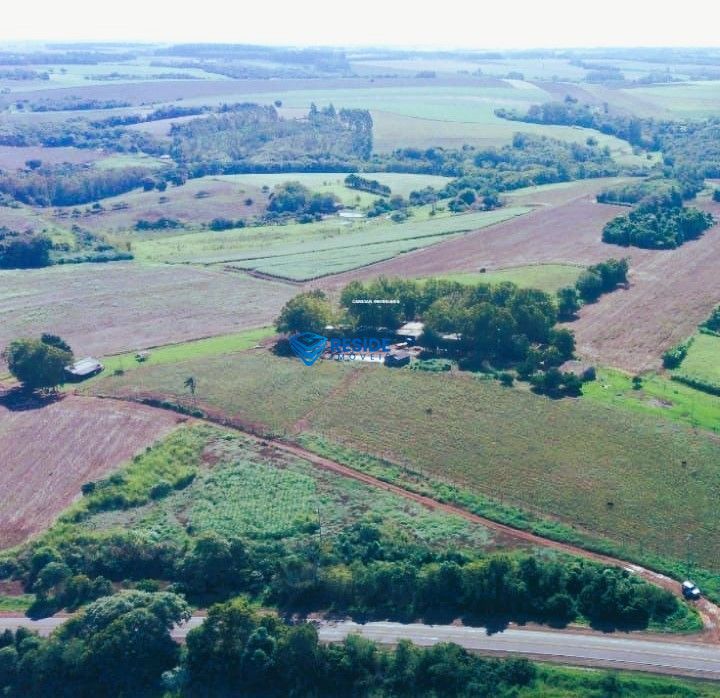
<point>398,358</point>
<point>84,368</point>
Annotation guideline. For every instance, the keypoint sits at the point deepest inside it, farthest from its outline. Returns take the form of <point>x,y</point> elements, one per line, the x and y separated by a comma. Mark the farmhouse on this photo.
<point>411,331</point>
<point>84,368</point>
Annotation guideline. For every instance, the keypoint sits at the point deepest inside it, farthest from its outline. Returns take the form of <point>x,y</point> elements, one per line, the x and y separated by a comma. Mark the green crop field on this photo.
<point>703,359</point>
<point>243,489</point>
<point>586,463</point>
<point>546,277</point>
<point>297,251</point>
<point>685,100</point>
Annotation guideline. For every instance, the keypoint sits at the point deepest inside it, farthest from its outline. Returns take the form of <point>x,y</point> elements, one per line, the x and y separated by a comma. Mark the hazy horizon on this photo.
<point>554,24</point>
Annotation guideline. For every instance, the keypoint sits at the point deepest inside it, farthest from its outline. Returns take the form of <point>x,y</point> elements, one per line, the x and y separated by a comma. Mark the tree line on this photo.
<point>121,646</point>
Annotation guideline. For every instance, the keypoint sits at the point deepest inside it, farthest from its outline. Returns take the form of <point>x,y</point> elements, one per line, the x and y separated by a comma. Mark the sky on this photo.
<point>474,24</point>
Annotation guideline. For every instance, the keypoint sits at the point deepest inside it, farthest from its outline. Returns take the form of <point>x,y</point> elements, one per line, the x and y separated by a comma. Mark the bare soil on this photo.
<point>50,449</point>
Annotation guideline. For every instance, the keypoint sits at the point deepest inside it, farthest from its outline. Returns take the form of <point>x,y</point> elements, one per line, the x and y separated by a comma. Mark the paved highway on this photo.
<point>620,652</point>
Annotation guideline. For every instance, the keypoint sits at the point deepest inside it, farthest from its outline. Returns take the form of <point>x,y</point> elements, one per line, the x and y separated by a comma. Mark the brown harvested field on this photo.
<point>50,451</point>
<point>198,201</point>
<point>12,158</point>
<point>670,294</point>
<point>108,308</point>
<point>565,233</point>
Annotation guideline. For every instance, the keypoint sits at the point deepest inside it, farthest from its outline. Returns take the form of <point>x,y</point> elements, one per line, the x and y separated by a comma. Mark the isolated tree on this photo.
<point>307,312</point>
<point>37,364</point>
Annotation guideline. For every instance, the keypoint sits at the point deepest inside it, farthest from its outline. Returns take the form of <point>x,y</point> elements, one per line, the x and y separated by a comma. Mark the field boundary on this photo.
<point>709,612</point>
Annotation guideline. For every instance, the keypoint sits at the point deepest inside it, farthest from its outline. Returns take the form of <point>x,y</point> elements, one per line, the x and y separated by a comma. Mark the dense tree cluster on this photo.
<point>23,250</point>
<point>68,185</point>
<point>119,646</point>
<point>674,356</point>
<point>297,200</point>
<point>365,571</point>
<point>253,136</point>
<point>640,190</point>
<point>70,103</point>
<point>570,113</point>
<point>500,325</point>
<point>591,284</point>
<point>713,322</point>
<point>657,223</point>
<point>309,311</point>
<point>529,160</point>
<point>23,74</point>
<point>81,133</point>
<point>39,364</point>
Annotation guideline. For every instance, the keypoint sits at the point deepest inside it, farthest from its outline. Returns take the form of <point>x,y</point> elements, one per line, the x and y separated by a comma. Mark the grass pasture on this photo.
<point>546,277</point>
<point>658,396</point>
<point>703,359</point>
<point>332,182</point>
<point>587,464</point>
<point>300,252</point>
<point>196,202</point>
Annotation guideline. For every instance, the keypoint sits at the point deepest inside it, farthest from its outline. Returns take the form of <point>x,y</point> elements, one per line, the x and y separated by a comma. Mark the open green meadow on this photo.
<point>703,359</point>
<point>546,277</point>
<point>691,100</point>
<point>305,251</point>
<point>198,348</point>
<point>657,396</point>
<point>585,463</point>
<point>333,182</point>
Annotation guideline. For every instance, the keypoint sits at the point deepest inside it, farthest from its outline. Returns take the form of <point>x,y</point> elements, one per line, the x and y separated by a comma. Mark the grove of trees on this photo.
<point>657,223</point>
<point>39,364</point>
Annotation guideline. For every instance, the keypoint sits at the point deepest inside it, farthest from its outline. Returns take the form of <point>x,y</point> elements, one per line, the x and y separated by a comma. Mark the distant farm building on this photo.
<point>84,368</point>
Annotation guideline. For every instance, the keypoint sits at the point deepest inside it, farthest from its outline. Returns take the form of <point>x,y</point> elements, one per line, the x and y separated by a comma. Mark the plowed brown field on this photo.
<point>47,453</point>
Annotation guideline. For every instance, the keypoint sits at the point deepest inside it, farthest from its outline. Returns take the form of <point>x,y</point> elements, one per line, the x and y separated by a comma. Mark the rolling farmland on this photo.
<point>475,434</point>
<point>109,308</point>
